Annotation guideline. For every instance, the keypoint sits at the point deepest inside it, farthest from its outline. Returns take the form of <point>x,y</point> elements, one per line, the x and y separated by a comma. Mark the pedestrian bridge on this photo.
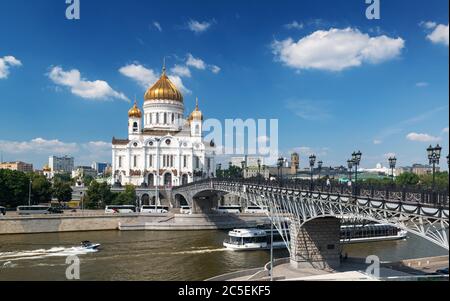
<point>310,209</point>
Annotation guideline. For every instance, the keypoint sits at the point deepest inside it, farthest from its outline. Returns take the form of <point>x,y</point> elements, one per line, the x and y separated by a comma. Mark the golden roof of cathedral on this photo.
<point>163,89</point>
<point>135,111</point>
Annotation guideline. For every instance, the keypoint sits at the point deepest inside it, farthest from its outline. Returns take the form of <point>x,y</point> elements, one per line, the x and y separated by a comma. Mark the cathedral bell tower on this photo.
<point>196,121</point>
<point>134,120</point>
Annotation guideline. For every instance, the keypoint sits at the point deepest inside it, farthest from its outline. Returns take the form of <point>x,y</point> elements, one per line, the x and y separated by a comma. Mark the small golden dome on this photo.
<point>46,168</point>
<point>163,89</point>
<point>196,114</point>
<point>135,111</point>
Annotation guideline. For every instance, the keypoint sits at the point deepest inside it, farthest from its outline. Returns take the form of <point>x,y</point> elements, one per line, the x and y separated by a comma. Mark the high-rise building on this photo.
<point>100,167</point>
<point>63,164</point>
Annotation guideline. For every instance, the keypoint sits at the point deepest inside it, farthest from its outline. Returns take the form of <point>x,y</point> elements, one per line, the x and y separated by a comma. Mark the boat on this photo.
<point>89,245</point>
<point>253,239</point>
<point>260,238</point>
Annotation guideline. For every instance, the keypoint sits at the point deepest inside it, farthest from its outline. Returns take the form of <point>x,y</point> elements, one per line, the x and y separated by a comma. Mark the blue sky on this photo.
<point>336,81</point>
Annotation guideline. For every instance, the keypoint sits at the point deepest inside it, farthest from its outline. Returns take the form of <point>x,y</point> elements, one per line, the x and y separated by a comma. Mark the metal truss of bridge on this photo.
<point>416,212</point>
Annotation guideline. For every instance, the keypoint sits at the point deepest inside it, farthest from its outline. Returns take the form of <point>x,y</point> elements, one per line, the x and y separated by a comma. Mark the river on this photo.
<point>141,255</point>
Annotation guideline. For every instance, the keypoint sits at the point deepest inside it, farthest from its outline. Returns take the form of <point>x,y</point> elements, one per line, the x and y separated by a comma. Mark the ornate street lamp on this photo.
<point>434,154</point>
<point>280,170</point>
<point>243,163</point>
<point>312,162</point>
<point>392,164</point>
<point>356,158</point>
<point>259,168</point>
<point>319,167</point>
<point>350,169</point>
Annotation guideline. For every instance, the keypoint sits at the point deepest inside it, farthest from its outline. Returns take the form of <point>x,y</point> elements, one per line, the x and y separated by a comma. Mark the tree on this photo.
<point>87,180</point>
<point>128,197</point>
<point>14,187</point>
<point>98,195</point>
<point>63,177</point>
<point>407,179</point>
<point>441,180</point>
<point>62,191</point>
<point>41,189</point>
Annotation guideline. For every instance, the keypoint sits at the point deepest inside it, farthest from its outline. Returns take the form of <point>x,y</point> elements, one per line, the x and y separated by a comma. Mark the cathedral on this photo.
<point>163,147</point>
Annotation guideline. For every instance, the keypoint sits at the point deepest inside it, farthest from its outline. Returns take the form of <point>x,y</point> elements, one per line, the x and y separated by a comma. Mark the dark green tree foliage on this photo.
<point>13,188</point>
<point>98,195</point>
<point>41,189</point>
<point>407,179</point>
<point>62,191</point>
<point>128,197</point>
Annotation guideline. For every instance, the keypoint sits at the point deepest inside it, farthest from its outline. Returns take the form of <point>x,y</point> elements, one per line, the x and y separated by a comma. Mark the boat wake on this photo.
<point>200,251</point>
<point>43,253</point>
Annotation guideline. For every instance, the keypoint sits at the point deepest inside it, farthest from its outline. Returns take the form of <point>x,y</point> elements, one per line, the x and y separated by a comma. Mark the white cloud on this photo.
<point>428,24</point>
<point>294,25</point>
<point>181,71</point>
<point>336,50</point>
<point>199,27</point>
<point>38,150</point>
<point>439,35</point>
<point>96,90</point>
<point>215,69</point>
<point>157,25</point>
<point>422,137</point>
<point>422,84</point>
<point>195,62</point>
<point>445,130</point>
<point>145,77</point>
<point>377,142</point>
<point>178,82</point>
<point>6,63</point>
<point>38,146</point>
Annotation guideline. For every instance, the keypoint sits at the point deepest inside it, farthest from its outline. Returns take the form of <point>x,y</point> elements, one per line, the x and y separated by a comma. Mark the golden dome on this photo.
<point>135,111</point>
<point>46,168</point>
<point>163,89</point>
<point>196,114</point>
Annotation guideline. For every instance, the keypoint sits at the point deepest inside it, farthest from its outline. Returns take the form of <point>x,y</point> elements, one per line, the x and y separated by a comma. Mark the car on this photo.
<point>442,271</point>
<point>54,210</point>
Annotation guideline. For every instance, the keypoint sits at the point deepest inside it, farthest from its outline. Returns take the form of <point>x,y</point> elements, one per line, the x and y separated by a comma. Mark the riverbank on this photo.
<point>98,221</point>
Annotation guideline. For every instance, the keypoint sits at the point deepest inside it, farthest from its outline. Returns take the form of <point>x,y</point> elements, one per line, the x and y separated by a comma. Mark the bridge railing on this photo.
<point>404,194</point>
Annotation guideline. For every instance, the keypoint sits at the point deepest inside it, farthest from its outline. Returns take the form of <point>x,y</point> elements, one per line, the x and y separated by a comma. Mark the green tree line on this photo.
<point>15,190</point>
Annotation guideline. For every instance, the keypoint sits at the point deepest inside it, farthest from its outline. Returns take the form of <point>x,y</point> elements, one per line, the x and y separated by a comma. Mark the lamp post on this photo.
<point>350,169</point>
<point>434,154</point>
<point>29,192</point>
<point>259,169</point>
<point>280,170</point>
<point>219,170</point>
<point>319,167</point>
<point>312,162</point>
<point>392,163</point>
<point>356,158</point>
<point>243,169</point>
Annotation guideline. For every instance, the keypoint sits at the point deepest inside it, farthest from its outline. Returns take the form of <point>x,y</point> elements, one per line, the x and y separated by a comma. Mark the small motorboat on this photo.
<point>89,245</point>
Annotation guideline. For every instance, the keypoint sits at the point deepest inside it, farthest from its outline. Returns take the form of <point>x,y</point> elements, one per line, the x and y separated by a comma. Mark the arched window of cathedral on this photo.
<point>165,118</point>
<point>135,161</point>
<point>173,118</point>
<point>157,118</point>
<point>197,129</point>
<point>150,118</point>
<point>135,127</point>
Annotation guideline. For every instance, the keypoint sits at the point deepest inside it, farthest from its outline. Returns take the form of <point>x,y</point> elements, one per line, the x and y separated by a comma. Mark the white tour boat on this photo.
<point>260,239</point>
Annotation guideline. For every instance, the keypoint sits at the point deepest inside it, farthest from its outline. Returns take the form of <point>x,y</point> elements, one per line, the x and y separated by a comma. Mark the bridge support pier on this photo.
<point>316,244</point>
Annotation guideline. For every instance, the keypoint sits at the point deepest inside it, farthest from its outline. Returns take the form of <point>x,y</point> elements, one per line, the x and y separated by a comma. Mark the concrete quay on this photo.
<point>99,221</point>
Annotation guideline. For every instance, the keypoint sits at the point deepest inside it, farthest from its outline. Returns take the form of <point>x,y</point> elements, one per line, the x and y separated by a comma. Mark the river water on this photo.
<point>159,255</point>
